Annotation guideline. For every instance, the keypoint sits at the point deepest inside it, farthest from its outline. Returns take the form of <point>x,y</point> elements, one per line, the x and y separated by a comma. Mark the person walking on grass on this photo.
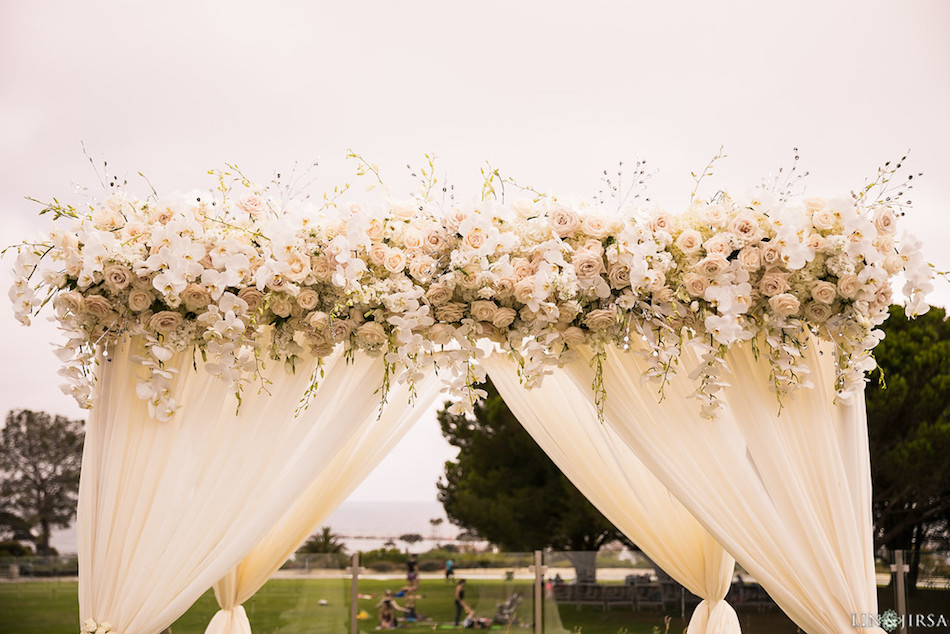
<point>460,601</point>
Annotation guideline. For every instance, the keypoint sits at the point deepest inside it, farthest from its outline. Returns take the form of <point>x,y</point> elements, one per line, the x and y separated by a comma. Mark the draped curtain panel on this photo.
<point>166,509</point>
<point>560,417</point>
<point>788,495</point>
<point>373,439</point>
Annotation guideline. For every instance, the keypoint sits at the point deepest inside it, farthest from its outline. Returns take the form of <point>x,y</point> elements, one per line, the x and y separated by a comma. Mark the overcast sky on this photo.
<point>550,92</point>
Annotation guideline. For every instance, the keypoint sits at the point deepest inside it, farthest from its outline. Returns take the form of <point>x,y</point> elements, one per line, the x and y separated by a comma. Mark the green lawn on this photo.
<point>292,605</point>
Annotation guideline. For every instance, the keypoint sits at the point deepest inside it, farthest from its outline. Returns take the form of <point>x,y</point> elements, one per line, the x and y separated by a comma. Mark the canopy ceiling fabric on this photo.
<point>787,495</point>
<point>564,423</point>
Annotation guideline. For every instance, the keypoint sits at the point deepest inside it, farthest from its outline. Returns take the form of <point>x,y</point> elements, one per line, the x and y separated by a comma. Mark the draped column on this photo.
<point>564,423</point>
<point>373,439</point>
<point>788,496</point>
<point>166,509</point>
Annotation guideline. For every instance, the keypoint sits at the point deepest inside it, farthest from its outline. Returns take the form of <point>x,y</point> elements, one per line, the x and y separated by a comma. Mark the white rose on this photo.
<point>689,241</point>
<point>70,301</point>
<point>719,244</point>
<point>524,208</point>
<point>319,320</point>
<point>422,268</point>
<point>564,222</point>
<point>524,290</point>
<point>848,286</point>
<point>320,268</point>
<point>165,321</point>
<point>893,264</point>
<point>371,333</point>
<point>714,215</point>
<point>395,260</point>
<point>378,253</point>
<point>823,292</point>
<point>573,336</point>
<point>785,304</point>
<point>281,305</point>
<point>654,281</point>
<point>824,220</point>
<point>403,210</point>
<point>483,310</point>
<point>813,204</point>
<point>746,226</point>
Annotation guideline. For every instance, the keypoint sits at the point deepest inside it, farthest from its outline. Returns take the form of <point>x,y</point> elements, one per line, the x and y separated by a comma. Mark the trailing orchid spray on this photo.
<point>245,273</point>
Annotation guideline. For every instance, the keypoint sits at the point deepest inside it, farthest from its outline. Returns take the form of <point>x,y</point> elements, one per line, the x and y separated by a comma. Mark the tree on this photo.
<point>325,541</point>
<point>505,488</point>
<point>909,430</point>
<point>410,539</point>
<point>40,456</point>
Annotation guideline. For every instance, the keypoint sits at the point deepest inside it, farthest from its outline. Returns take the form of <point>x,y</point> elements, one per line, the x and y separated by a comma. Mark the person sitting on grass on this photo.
<point>387,611</point>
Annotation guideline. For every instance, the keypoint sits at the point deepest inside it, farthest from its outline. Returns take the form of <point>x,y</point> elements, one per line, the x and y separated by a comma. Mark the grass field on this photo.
<point>293,606</point>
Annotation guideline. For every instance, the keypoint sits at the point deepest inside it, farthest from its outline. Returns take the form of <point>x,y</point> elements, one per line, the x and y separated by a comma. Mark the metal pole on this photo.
<point>900,569</point>
<point>354,570</point>
<point>539,570</point>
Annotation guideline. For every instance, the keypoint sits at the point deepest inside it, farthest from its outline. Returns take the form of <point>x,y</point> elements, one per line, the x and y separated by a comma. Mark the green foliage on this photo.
<point>40,456</point>
<point>14,549</point>
<point>324,541</point>
<point>909,429</point>
<point>504,487</point>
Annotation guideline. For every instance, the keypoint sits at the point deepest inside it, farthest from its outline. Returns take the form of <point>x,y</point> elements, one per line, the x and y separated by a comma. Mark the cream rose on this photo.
<point>774,283</point>
<point>440,334</point>
<point>695,284</point>
<point>563,221</point>
<point>371,333</point>
<point>376,229</point>
<point>817,312</point>
<point>619,275</point>
<point>524,290</point>
<point>893,264</point>
<point>848,286</point>
<point>438,294</point>
<point>785,304</point>
<point>116,277</point>
<point>195,297</point>
<point>504,317</point>
<point>595,225</point>
<point>601,318</point>
<point>475,239</point>
<point>587,264</point>
<point>140,300</point>
<point>522,268</point>
<point>340,329</point>
<point>719,244</point>
<point>654,281</point>
<point>663,295</point>
<point>771,255</point>
<point>252,204</point>
<point>450,312</point>
<point>884,221</point>
<point>252,297</point>
<point>413,240</point>
<point>712,265</point>
<point>403,210</point>
<point>824,220</point>
<point>483,310</point>
<point>70,301</point>
<point>746,226</point>
<point>395,260</point>
<point>281,305</point>
<point>422,268</point>
<point>320,268</point>
<point>319,320</point>
<point>308,299</point>
<point>165,321</point>
<point>714,215</point>
<point>823,292</point>
<point>435,240</point>
<point>689,241</point>
<point>97,306</point>
<point>524,208</point>
<point>750,258</point>
<point>378,253</point>
<point>813,204</point>
<point>504,287</point>
<point>815,241</point>
<point>573,336</point>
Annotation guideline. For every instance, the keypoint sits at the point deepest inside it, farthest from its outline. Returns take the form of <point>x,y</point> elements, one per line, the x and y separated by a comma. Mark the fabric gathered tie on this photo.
<point>714,616</point>
<point>231,620</point>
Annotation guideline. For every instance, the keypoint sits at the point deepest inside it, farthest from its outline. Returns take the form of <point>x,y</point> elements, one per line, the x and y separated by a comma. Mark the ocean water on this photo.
<point>362,526</point>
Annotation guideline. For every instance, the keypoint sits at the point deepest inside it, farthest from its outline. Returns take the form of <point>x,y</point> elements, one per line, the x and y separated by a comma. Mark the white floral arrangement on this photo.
<point>90,626</point>
<point>241,274</point>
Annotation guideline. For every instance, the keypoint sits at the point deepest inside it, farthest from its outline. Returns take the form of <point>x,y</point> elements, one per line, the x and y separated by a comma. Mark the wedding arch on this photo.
<point>248,356</point>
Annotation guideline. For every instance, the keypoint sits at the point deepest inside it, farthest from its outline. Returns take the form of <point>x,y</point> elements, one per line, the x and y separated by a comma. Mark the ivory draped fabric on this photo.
<point>789,496</point>
<point>564,423</point>
<point>166,509</point>
<point>375,436</point>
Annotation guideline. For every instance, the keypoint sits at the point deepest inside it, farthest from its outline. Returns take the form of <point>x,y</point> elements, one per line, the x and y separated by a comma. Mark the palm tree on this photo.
<point>435,521</point>
<point>326,541</point>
